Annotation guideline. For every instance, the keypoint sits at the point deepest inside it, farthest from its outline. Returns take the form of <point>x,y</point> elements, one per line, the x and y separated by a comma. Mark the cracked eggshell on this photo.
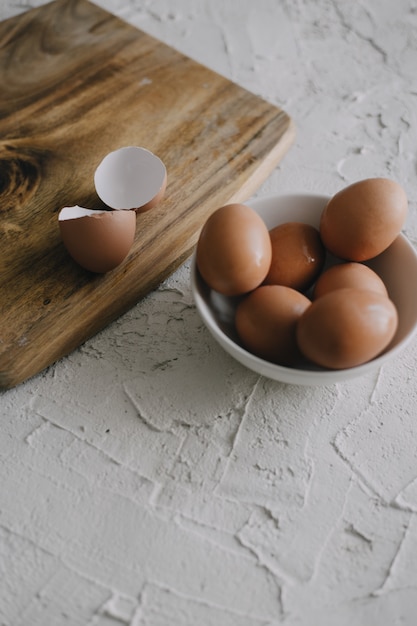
<point>97,240</point>
<point>131,178</point>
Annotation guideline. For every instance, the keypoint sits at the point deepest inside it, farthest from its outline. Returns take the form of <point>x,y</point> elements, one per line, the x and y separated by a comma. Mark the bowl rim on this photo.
<point>280,372</point>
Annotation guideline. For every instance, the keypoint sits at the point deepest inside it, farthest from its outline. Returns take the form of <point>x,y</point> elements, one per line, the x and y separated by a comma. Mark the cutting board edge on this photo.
<point>267,166</point>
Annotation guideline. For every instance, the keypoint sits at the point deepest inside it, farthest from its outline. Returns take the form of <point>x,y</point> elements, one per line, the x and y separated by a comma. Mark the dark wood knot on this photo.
<point>20,175</point>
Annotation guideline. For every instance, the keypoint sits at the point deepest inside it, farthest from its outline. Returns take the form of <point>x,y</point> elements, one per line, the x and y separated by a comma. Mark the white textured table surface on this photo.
<point>148,479</point>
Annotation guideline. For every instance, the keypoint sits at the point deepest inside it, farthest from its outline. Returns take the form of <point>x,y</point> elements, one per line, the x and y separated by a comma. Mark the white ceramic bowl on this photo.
<point>397,266</point>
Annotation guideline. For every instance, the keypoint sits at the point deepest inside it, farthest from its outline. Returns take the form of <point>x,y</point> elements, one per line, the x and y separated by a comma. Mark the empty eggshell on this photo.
<point>131,178</point>
<point>97,240</point>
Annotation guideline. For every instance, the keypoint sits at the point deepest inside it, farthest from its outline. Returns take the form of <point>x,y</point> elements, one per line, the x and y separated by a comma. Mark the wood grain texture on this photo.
<point>77,83</point>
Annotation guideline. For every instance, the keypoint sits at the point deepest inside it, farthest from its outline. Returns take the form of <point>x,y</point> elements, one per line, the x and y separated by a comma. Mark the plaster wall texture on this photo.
<point>150,480</point>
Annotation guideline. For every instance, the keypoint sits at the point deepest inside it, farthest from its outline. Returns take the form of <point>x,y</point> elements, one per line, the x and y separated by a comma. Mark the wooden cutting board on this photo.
<point>77,83</point>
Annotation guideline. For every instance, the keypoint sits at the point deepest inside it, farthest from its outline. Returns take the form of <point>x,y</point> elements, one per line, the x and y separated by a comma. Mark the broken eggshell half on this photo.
<point>98,240</point>
<point>131,178</point>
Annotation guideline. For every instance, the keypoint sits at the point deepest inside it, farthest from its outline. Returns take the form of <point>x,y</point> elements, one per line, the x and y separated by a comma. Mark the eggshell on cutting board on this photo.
<point>97,240</point>
<point>362,220</point>
<point>234,250</point>
<point>346,327</point>
<point>131,177</point>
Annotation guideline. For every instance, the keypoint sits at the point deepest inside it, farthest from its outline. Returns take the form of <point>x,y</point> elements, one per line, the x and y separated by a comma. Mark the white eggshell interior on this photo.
<point>129,177</point>
<point>74,212</point>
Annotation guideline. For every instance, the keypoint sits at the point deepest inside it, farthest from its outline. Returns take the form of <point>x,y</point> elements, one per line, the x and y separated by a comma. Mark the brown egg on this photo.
<point>350,274</point>
<point>362,220</point>
<point>266,322</point>
<point>234,250</point>
<point>297,255</point>
<point>97,240</point>
<point>346,327</point>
